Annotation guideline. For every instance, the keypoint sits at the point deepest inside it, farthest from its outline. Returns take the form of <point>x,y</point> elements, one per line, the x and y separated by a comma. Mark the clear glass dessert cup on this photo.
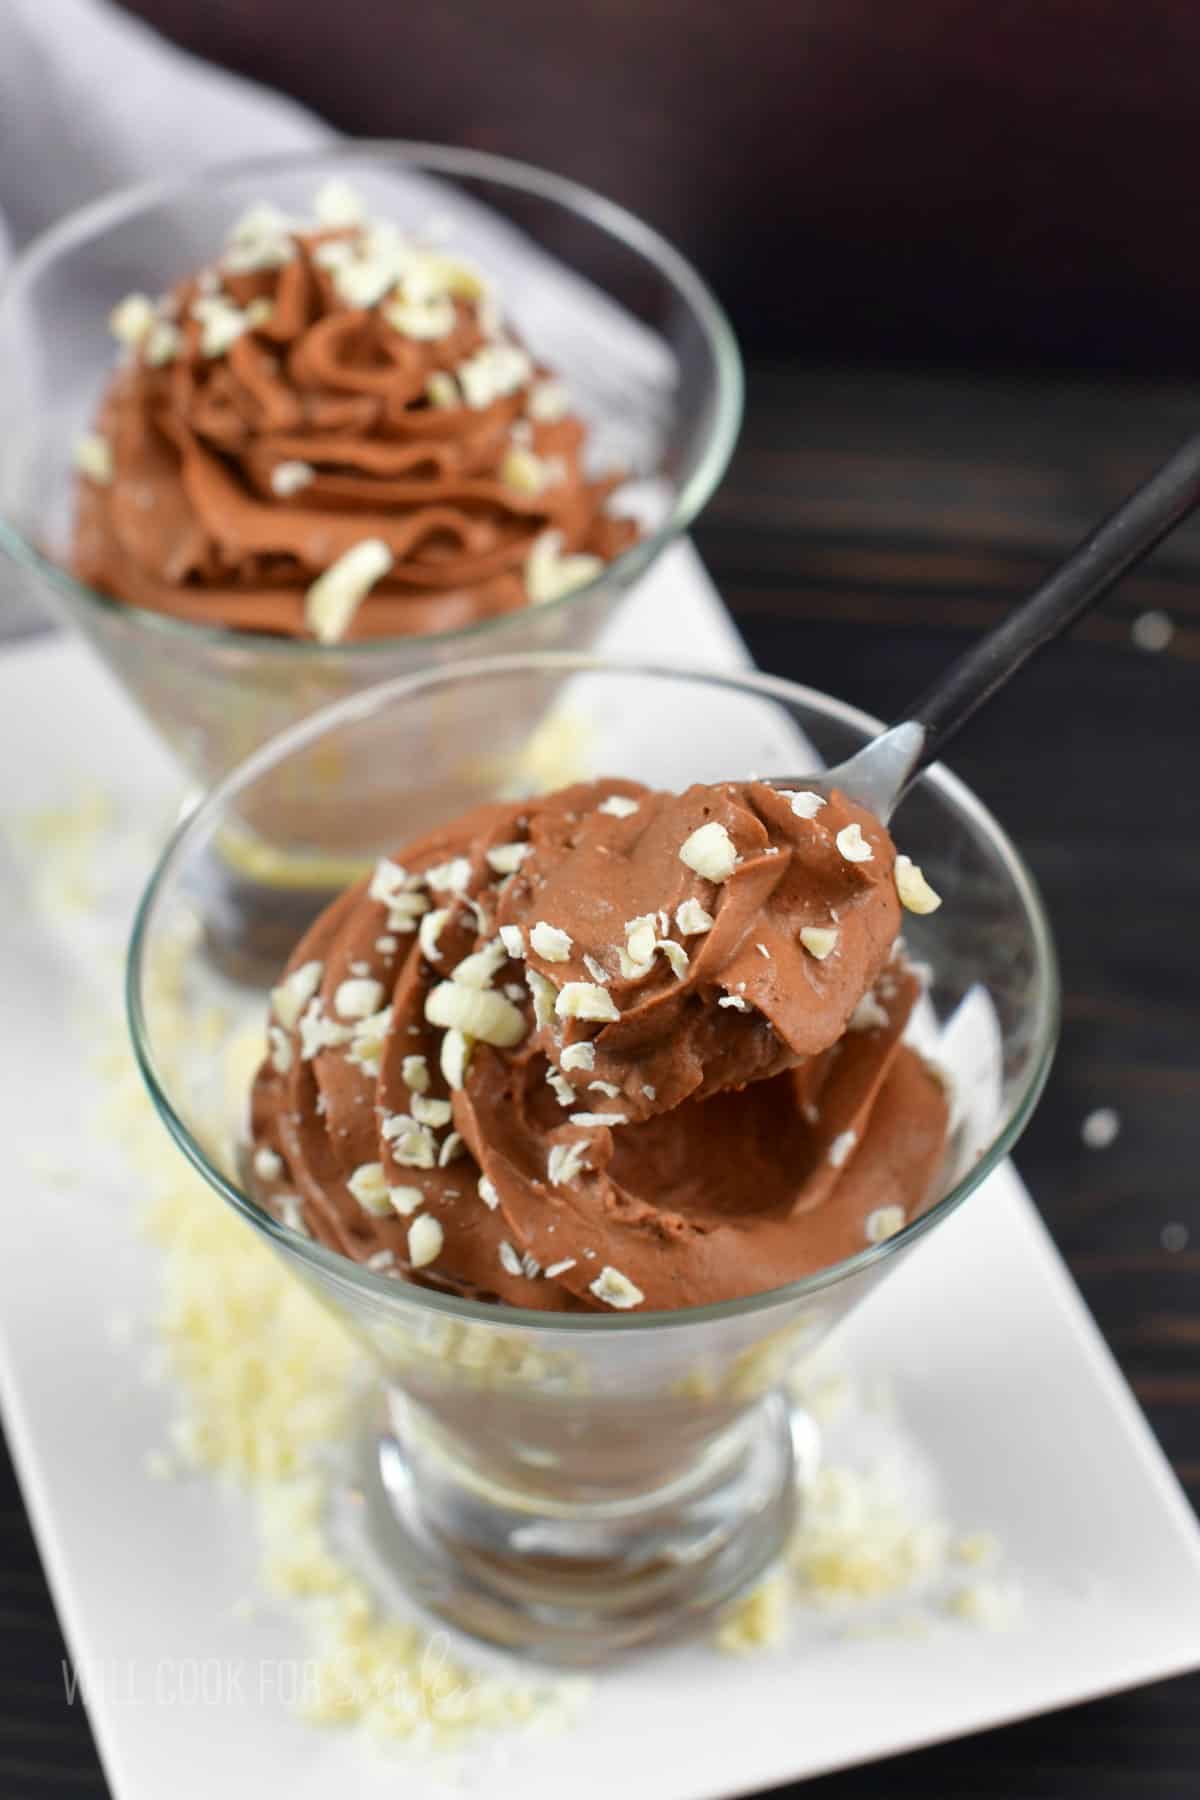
<point>643,347</point>
<point>574,1485</point>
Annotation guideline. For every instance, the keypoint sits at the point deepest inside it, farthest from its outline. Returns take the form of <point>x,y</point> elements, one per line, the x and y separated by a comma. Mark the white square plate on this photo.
<point>997,1367</point>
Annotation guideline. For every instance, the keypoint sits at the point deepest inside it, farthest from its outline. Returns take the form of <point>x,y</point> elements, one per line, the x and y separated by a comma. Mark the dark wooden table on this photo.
<point>871,524</point>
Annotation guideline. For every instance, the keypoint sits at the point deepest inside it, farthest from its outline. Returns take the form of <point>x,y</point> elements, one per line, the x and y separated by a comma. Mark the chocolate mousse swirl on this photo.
<point>607,1049</point>
<point>317,390</point>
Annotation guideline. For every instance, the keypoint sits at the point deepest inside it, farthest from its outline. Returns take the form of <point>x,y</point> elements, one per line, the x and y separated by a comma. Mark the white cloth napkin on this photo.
<point>91,99</point>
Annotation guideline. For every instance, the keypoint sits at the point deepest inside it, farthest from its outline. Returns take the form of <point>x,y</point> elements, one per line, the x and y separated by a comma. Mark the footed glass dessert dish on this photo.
<point>571,1484</point>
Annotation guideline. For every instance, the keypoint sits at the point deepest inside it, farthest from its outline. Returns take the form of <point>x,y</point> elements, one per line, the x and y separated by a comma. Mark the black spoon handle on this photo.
<point>1089,572</point>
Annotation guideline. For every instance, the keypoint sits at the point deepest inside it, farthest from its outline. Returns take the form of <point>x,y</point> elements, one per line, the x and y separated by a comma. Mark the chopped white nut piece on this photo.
<point>506,859</point>
<point>579,1056</point>
<point>480,1012</point>
<point>805,804</point>
<point>868,1015</point>
<point>162,344</point>
<point>92,456</point>
<point>288,478</point>
<point>281,1049</point>
<point>549,575</point>
<point>390,882</point>
<point>819,940</point>
<point>734,1001</point>
<point>131,318</point>
<point>560,1268</point>
<point>564,1093</point>
<point>334,597</point>
<point>441,390</point>
<point>412,1145</point>
<point>593,1118</point>
<point>510,1262</point>
<point>524,471</point>
<point>842,1145</point>
<point>651,1093</point>
<point>380,1260</point>
<point>883,1223</point>
<point>336,203</point>
<point>547,402</point>
<point>480,969</point>
<point>615,1289</point>
<point>618,806</point>
<point>452,1146</point>
<point>294,992</point>
<point>430,931</point>
<point>853,845</point>
<point>221,324</point>
<point>597,971</point>
<point>258,220</point>
<point>269,250</point>
<point>455,1055</point>
<point>609,1089</point>
<point>363,282</point>
<point>414,1072</point>
<point>488,1194</point>
<point>267,1165</point>
<point>544,995</point>
<point>585,1000</point>
<point>548,942</point>
<point>406,912</point>
<point>334,254</point>
<point>358,998</point>
<point>368,1185</point>
<point>675,954</point>
<point>370,1040</point>
<point>453,877</point>
<point>425,1240</point>
<point>639,939</point>
<point>530,1266</point>
<point>491,373</point>
<point>691,918</point>
<point>425,321</point>
<point>513,939</point>
<point>915,892</point>
<point>566,1161</point>
<point>429,1111</point>
<point>710,851</point>
<point>405,1200</point>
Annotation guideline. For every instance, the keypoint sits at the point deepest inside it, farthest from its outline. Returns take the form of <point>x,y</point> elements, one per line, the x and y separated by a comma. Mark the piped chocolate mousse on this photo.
<point>608,1049</point>
<point>332,432</point>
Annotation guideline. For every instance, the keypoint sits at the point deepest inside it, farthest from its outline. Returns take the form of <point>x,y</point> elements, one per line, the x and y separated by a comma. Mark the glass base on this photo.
<point>575,1585</point>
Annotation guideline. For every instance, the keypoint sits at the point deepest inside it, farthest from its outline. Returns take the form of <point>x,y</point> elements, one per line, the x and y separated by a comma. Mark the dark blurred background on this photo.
<point>911,178</point>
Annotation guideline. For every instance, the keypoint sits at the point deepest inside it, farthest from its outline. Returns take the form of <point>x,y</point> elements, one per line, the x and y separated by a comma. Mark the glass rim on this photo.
<point>117,208</point>
<point>329,1262</point>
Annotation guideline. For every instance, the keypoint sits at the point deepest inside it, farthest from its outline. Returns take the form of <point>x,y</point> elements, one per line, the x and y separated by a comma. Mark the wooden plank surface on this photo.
<point>871,523</point>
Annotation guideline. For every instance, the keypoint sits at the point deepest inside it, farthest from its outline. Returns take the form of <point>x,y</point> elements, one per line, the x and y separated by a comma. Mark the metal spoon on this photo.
<point>879,774</point>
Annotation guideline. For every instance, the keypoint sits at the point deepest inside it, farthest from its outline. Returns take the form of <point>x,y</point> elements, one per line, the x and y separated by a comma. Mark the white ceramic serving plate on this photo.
<point>998,1371</point>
